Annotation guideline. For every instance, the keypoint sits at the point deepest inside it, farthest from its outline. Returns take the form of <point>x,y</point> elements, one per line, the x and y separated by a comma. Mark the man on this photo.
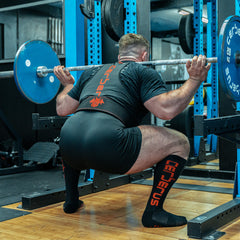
<point>104,133</point>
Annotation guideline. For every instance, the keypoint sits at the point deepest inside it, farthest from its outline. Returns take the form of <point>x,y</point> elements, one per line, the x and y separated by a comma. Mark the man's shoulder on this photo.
<point>138,66</point>
<point>143,69</point>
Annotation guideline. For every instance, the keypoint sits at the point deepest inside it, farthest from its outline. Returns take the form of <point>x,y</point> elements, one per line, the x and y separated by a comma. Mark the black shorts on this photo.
<point>96,140</point>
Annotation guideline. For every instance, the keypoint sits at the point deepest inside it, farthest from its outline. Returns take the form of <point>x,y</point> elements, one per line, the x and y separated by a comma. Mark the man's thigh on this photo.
<point>158,143</point>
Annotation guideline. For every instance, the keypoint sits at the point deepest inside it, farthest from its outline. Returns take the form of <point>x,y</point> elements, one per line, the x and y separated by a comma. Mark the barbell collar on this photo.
<point>40,71</point>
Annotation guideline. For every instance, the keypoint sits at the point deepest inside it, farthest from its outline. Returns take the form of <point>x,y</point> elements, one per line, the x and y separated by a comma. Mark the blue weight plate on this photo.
<point>229,45</point>
<point>29,57</point>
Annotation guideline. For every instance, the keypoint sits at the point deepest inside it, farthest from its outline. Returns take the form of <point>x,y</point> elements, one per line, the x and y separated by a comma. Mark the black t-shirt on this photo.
<point>140,83</point>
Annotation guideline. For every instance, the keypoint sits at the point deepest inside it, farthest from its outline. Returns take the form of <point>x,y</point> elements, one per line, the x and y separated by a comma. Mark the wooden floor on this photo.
<point>214,164</point>
<point>116,214</point>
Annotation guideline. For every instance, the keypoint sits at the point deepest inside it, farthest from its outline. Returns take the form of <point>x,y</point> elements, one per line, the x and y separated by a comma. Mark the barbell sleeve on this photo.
<point>6,74</point>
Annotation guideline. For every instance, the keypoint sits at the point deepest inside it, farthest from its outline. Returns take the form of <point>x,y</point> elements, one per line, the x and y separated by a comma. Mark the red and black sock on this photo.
<point>72,202</point>
<point>165,175</point>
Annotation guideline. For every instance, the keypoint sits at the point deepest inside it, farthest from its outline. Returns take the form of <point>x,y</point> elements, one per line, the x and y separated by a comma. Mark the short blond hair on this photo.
<point>132,44</point>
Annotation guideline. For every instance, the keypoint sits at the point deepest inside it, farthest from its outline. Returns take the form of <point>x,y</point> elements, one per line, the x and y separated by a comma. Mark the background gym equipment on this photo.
<point>34,62</point>
<point>186,33</point>
<point>113,18</point>
<point>29,57</point>
<point>228,44</point>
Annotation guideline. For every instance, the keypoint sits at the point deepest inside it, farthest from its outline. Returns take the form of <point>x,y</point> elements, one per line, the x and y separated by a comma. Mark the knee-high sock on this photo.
<point>165,175</point>
<point>72,203</point>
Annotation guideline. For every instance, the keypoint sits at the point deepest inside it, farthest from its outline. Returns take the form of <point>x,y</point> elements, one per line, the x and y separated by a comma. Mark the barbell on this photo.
<point>35,61</point>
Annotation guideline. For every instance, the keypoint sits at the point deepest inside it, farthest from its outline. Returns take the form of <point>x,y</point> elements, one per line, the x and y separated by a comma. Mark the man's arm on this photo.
<point>168,105</point>
<point>65,104</point>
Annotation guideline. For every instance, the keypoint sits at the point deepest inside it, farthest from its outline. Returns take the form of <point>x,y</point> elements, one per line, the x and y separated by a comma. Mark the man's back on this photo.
<point>129,85</point>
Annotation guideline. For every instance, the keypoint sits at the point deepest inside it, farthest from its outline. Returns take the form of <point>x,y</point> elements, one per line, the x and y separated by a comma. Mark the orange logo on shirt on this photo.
<point>104,80</point>
<point>96,101</point>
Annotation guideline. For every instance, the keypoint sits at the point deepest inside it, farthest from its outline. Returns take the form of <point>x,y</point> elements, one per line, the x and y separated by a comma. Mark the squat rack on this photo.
<point>197,227</point>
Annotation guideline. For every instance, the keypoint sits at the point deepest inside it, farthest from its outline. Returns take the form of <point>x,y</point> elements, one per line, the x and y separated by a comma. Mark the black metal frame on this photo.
<point>228,128</point>
<point>208,173</point>
<point>190,187</point>
<point>40,123</point>
<point>101,182</point>
<point>218,126</point>
<point>208,222</point>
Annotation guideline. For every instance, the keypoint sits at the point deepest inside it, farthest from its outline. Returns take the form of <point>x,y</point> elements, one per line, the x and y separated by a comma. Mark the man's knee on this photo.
<point>184,139</point>
<point>184,144</point>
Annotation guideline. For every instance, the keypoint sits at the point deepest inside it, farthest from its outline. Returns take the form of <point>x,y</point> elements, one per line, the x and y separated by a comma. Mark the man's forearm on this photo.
<point>180,98</point>
<point>62,94</point>
<point>168,105</point>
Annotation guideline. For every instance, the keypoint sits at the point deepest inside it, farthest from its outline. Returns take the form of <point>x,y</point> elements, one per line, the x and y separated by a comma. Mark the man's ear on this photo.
<point>145,56</point>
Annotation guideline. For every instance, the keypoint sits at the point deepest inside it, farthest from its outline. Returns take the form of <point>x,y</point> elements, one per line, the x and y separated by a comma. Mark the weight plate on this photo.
<point>113,18</point>
<point>228,46</point>
<point>29,57</point>
<point>186,33</point>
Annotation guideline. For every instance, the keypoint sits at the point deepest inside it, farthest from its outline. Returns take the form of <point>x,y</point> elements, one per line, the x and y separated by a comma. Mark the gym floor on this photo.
<point>110,214</point>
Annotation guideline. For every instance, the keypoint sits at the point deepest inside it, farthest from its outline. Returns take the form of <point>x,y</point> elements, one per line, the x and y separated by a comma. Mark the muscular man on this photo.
<point>104,133</point>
